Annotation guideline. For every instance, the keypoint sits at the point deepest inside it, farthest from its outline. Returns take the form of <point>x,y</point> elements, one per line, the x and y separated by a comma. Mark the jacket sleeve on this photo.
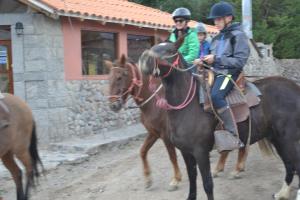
<point>172,37</point>
<point>193,47</point>
<point>239,57</point>
<point>207,48</point>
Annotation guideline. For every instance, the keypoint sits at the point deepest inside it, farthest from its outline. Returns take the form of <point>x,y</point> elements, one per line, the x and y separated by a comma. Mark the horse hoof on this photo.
<point>148,183</point>
<point>173,185</point>
<point>277,197</point>
<point>216,173</point>
<point>235,175</point>
<point>284,192</point>
<point>172,188</point>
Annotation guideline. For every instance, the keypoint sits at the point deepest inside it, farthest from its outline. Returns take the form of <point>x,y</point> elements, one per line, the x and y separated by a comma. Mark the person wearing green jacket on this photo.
<point>190,47</point>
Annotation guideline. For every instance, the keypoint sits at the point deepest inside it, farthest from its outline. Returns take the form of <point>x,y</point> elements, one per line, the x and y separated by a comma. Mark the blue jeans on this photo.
<point>220,89</point>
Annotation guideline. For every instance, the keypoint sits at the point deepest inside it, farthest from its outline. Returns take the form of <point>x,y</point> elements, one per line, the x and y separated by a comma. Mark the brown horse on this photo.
<point>126,79</point>
<point>19,139</point>
<point>239,167</point>
<point>273,120</point>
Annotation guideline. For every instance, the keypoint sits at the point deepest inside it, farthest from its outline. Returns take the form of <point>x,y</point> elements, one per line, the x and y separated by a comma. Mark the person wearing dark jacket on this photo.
<point>229,52</point>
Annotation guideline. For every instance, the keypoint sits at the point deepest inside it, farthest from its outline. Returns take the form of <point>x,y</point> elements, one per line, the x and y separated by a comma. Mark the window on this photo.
<point>136,44</point>
<point>97,47</point>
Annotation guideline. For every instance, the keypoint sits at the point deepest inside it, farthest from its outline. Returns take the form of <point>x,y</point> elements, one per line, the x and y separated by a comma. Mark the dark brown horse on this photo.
<point>274,119</point>
<point>19,139</point>
<point>125,80</point>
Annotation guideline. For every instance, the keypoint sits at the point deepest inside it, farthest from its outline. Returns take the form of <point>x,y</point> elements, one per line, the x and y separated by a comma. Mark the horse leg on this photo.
<point>204,166</point>
<point>191,167</point>
<point>10,164</point>
<point>297,166</point>
<point>148,143</point>
<point>221,164</point>
<point>25,158</point>
<point>284,192</point>
<point>240,165</point>
<point>173,157</point>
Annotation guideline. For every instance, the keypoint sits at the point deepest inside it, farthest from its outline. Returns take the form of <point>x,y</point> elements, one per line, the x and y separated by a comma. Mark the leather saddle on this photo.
<point>240,99</point>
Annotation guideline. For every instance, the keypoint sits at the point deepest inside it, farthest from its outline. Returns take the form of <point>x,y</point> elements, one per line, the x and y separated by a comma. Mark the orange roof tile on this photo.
<point>117,11</point>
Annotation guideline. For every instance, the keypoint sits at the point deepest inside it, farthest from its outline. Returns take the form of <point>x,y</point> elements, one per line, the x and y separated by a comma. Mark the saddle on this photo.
<point>242,97</point>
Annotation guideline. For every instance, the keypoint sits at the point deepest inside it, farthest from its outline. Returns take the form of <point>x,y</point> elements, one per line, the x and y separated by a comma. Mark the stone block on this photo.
<point>55,76</point>
<point>35,53</point>
<point>18,77</point>
<point>35,65</point>
<point>19,90</point>
<point>38,103</point>
<point>55,65</point>
<point>57,88</point>
<point>36,90</point>
<point>34,40</point>
<point>41,117</point>
<point>35,76</point>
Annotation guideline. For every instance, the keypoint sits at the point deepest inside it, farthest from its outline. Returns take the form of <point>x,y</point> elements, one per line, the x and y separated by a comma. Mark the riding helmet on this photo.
<point>181,13</point>
<point>200,28</point>
<point>221,9</point>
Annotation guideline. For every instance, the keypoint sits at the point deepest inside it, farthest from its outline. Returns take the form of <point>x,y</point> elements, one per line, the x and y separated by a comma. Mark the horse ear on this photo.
<point>179,42</point>
<point>123,60</point>
<point>108,64</point>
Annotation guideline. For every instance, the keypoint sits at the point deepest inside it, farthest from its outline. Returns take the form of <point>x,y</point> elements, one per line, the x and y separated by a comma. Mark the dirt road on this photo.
<point>117,174</point>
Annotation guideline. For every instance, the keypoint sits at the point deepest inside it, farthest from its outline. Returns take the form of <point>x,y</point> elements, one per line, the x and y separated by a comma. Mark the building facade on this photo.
<point>51,55</point>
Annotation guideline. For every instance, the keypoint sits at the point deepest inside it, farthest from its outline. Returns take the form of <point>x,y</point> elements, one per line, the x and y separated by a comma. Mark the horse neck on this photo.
<point>144,92</point>
<point>177,85</point>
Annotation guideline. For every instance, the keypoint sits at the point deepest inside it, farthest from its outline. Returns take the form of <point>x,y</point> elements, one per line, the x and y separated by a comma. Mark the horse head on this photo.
<point>120,81</point>
<point>160,59</point>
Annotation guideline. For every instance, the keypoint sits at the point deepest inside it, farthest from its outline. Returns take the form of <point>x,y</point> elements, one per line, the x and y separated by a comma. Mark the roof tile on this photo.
<point>116,10</point>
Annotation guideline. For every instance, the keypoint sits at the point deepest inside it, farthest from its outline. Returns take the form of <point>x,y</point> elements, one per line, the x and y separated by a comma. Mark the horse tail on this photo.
<point>35,158</point>
<point>266,148</point>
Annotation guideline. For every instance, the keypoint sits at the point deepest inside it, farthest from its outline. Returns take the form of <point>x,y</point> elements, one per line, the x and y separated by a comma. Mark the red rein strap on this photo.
<point>174,65</point>
<point>163,104</point>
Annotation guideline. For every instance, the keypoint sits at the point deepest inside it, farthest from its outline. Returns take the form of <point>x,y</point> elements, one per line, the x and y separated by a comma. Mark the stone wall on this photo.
<point>89,112</point>
<point>291,68</point>
<point>261,67</point>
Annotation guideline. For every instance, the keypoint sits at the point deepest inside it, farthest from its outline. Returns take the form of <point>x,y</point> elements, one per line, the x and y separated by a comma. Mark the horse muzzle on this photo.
<point>116,105</point>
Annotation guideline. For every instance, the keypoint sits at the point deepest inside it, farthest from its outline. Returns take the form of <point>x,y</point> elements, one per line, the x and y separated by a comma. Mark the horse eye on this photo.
<point>119,78</point>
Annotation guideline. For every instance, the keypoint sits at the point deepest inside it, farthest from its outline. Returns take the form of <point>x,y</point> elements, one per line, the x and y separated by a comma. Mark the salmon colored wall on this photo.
<point>72,43</point>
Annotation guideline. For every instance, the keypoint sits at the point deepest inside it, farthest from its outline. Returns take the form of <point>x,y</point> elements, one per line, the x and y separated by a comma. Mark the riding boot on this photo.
<point>228,139</point>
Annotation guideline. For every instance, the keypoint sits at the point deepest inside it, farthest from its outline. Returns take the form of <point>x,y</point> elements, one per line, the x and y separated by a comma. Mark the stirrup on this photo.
<point>226,141</point>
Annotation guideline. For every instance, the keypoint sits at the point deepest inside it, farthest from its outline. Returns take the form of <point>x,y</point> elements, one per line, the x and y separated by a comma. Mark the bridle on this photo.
<point>172,65</point>
<point>136,81</point>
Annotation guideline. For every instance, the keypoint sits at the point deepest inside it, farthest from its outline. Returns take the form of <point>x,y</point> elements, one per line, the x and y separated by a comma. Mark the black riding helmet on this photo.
<point>221,9</point>
<point>181,13</point>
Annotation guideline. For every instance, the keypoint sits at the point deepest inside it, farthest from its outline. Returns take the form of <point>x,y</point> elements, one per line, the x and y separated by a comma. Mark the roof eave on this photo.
<point>49,11</point>
<point>116,21</point>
